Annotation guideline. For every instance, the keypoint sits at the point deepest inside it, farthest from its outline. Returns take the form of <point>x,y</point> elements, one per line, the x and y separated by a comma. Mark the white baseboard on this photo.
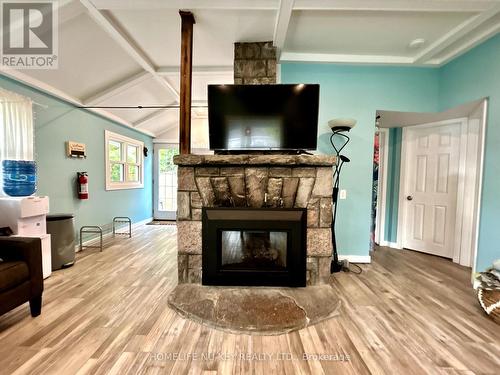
<point>109,234</point>
<point>356,258</point>
<point>394,245</point>
<point>142,222</point>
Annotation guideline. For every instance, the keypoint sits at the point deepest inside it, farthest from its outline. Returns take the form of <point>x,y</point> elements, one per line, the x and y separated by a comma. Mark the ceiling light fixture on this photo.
<point>416,43</point>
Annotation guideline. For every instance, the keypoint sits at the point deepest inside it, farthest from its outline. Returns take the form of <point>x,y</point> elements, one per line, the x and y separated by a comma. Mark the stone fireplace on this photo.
<point>225,185</point>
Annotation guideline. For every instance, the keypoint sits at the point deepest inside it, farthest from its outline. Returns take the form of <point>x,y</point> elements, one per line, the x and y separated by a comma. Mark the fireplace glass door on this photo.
<point>250,249</point>
<point>247,246</point>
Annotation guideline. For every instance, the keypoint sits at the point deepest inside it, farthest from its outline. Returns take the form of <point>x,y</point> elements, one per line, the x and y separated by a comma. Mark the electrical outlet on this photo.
<point>343,194</point>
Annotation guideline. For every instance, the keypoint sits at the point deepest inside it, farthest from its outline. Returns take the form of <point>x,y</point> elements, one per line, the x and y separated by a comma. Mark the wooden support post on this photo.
<point>187,21</point>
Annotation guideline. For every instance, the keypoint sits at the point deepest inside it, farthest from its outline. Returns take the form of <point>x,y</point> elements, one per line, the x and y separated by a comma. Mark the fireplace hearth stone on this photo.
<point>256,310</point>
<point>255,181</point>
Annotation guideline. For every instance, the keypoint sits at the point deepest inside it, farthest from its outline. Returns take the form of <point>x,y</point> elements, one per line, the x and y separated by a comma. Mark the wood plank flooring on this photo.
<point>407,313</point>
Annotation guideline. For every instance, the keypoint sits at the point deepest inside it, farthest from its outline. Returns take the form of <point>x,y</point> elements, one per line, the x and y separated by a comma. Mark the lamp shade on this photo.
<point>342,123</point>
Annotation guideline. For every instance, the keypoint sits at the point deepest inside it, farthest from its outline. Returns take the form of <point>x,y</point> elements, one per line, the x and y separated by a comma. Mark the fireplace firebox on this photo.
<point>257,247</point>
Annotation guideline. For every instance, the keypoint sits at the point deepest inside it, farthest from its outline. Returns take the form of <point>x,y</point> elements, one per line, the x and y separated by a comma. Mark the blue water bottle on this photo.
<point>19,177</point>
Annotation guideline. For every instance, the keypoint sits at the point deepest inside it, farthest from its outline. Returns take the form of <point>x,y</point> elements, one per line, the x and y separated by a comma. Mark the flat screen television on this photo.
<point>263,117</point>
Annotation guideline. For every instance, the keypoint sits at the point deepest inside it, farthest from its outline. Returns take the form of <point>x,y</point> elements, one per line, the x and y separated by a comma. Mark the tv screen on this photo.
<point>263,117</point>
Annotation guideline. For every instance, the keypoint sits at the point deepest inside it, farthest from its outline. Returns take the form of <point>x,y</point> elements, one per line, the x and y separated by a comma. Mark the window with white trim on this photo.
<point>124,162</point>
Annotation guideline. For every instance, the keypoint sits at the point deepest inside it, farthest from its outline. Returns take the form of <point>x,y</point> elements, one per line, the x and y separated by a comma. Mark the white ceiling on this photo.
<point>157,32</point>
<point>127,52</point>
<point>86,67</point>
<point>366,32</point>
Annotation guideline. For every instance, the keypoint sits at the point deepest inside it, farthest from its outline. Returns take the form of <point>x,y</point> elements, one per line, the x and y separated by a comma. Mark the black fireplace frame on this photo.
<point>291,220</point>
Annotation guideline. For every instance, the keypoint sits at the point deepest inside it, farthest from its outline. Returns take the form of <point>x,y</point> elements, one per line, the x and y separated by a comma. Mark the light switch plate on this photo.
<point>343,194</point>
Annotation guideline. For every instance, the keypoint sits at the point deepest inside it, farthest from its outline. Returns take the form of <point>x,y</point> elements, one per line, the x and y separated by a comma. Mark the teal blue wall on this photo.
<point>61,122</point>
<point>472,76</point>
<point>357,92</point>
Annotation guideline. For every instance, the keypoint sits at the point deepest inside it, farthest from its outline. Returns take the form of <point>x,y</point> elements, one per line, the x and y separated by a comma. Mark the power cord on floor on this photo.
<point>345,266</point>
<point>348,269</point>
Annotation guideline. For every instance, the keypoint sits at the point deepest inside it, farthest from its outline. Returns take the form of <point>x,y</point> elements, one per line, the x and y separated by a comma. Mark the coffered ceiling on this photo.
<point>127,52</point>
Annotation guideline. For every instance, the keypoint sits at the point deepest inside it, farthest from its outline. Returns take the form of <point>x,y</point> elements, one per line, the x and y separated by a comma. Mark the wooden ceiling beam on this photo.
<point>186,78</point>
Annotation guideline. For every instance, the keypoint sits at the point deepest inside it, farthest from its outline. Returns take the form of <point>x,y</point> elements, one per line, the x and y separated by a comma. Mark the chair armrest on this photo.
<point>29,250</point>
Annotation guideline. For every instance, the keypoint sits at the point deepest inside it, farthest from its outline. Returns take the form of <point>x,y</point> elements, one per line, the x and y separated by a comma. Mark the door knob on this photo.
<point>409,198</point>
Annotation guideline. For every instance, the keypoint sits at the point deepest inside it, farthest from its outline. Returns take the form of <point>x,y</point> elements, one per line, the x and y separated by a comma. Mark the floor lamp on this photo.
<point>340,128</point>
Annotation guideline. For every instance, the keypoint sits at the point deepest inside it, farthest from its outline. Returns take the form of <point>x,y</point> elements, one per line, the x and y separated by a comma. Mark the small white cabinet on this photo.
<point>26,216</point>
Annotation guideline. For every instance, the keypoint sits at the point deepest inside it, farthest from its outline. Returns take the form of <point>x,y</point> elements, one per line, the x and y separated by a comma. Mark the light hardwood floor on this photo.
<point>407,313</point>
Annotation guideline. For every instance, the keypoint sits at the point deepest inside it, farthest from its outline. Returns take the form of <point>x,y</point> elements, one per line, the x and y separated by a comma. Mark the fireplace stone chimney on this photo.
<point>254,63</point>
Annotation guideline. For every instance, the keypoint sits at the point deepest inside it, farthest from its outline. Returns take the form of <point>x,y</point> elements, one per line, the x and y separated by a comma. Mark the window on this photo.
<point>124,162</point>
<point>16,127</point>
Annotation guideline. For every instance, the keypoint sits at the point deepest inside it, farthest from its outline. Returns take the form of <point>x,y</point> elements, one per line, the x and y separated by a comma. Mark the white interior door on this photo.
<point>431,179</point>
<point>165,181</point>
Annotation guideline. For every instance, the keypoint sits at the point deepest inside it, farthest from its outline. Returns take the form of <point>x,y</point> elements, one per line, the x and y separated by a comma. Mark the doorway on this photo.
<point>430,172</point>
<point>165,181</point>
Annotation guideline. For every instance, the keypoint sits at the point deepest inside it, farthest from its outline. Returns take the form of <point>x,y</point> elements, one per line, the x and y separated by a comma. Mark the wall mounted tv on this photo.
<point>263,117</point>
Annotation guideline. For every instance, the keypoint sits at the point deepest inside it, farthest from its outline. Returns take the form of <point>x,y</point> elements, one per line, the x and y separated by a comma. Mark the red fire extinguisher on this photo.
<point>83,185</point>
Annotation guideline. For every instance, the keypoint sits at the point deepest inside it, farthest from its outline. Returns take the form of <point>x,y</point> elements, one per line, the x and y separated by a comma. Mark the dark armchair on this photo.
<point>21,278</point>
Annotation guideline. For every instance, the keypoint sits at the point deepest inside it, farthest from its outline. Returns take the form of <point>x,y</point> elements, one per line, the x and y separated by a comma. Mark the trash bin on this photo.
<point>61,227</point>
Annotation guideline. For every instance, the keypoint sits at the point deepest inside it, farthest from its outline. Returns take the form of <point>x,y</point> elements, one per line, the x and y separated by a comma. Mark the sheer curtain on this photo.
<point>16,126</point>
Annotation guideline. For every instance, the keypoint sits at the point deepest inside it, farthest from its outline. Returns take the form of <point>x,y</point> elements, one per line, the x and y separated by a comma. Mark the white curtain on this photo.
<point>16,126</point>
